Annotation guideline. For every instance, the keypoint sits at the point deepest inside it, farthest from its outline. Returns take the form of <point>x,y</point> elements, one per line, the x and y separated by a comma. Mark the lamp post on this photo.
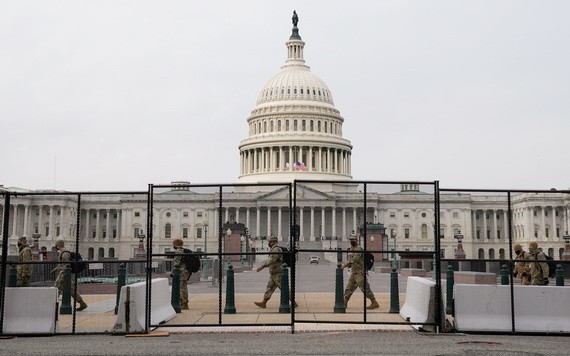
<point>372,243</point>
<point>140,251</point>
<point>566,254</point>
<point>459,253</point>
<point>228,234</point>
<point>206,238</point>
<point>241,240</point>
<point>394,248</point>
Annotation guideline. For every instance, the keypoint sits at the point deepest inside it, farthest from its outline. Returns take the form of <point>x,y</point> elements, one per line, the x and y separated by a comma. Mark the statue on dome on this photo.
<point>295,18</point>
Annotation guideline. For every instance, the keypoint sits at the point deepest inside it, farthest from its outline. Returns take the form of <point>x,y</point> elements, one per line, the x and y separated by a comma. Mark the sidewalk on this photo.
<point>315,313</point>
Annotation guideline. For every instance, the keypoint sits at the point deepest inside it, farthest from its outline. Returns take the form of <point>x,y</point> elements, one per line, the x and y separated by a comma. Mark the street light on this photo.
<point>394,248</point>
<point>228,234</point>
<point>459,253</point>
<point>372,243</point>
<point>241,240</point>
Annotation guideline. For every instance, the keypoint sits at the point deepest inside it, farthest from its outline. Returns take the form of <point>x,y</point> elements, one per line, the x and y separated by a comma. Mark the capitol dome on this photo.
<point>295,131</point>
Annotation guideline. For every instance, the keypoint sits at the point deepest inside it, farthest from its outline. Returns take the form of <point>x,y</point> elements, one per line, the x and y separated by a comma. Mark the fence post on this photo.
<point>559,276</point>
<point>230,295</point>
<point>121,280</point>
<point>450,309</point>
<point>394,291</point>
<point>13,277</point>
<point>66,291</point>
<point>339,306</point>
<point>175,298</point>
<point>284,307</point>
<point>504,275</point>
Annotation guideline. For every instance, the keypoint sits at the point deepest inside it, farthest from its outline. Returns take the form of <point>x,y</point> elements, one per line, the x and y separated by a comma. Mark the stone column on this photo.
<point>108,223</point>
<point>543,224</point>
<point>301,225</point>
<point>258,222</point>
<point>26,220</point>
<point>98,222</point>
<point>268,221</point>
<point>494,234</point>
<point>333,212</point>
<point>279,223</point>
<point>312,236</point>
<point>119,223</point>
<point>51,227</point>
<point>87,224</point>
<point>485,224</point>
<point>62,227</point>
<point>323,232</point>
<point>343,224</point>
<point>553,232</point>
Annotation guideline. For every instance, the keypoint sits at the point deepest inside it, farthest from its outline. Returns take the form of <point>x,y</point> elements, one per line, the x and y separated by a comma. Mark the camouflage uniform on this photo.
<point>275,264</point>
<point>538,270</point>
<point>184,274</point>
<point>24,271</point>
<point>520,268</point>
<point>59,270</point>
<point>356,264</point>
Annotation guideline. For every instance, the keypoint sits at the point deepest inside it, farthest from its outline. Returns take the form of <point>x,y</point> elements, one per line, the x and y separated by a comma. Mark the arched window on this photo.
<point>551,252</point>
<point>90,253</point>
<point>287,125</point>
<point>501,253</point>
<point>481,254</point>
<point>101,253</point>
<point>491,253</point>
<point>279,125</point>
<point>111,252</point>
<point>303,125</point>
<point>295,125</point>
<point>424,231</point>
<point>311,126</point>
<point>167,231</point>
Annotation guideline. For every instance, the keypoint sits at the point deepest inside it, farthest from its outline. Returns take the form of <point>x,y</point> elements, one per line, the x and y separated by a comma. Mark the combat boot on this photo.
<point>82,305</point>
<point>373,304</point>
<point>262,304</point>
<point>184,306</point>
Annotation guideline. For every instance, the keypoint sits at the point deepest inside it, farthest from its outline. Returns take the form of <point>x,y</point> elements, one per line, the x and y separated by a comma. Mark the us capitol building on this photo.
<point>295,132</point>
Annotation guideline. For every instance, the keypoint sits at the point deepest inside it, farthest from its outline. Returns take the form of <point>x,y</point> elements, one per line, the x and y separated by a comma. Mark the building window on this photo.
<point>441,232</point>
<point>478,234</point>
<point>168,214</point>
<point>557,232</point>
<point>93,232</point>
<point>488,234</point>
<point>406,233</point>
<point>199,214</point>
<point>455,214</point>
<point>104,232</point>
<point>185,214</point>
<point>114,233</point>
<point>442,253</point>
<point>184,232</point>
<point>498,233</point>
<point>406,215</point>
<point>424,231</point>
<point>546,213</point>
<point>137,214</point>
<point>137,232</point>
<point>534,213</point>
<point>546,232</point>
<point>198,232</point>
<point>556,213</point>
<point>423,215</point>
<point>392,215</point>
<point>476,216</point>
<point>535,232</point>
<point>167,231</point>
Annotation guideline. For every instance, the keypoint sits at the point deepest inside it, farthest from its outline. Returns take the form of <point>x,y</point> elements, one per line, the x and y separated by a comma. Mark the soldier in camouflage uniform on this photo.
<point>59,271</point>
<point>538,270</point>
<point>357,277</point>
<point>24,270</point>
<point>275,264</point>
<point>520,266</point>
<point>184,273</point>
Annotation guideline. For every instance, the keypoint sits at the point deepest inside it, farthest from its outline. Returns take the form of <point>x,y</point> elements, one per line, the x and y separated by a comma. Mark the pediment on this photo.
<point>303,193</point>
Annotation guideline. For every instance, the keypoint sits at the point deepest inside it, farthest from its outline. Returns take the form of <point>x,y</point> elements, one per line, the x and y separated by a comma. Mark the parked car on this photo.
<point>314,259</point>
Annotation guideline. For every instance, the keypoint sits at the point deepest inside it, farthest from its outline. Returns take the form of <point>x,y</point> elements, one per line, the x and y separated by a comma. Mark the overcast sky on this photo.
<point>113,95</point>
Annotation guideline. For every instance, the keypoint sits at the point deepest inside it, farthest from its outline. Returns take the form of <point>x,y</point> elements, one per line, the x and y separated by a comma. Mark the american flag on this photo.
<point>300,166</point>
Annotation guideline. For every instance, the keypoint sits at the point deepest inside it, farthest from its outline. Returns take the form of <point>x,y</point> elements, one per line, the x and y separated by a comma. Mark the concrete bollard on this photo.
<point>559,275</point>
<point>339,306</point>
<point>175,298</point>
<point>66,292</point>
<point>284,307</point>
<point>230,295</point>
<point>450,309</point>
<point>394,291</point>
<point>504,275</point>
<point>121,280</point>
<point>13,277</point>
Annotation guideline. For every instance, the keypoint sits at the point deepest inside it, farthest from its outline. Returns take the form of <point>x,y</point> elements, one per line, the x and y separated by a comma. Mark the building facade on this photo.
<point>295,132</point>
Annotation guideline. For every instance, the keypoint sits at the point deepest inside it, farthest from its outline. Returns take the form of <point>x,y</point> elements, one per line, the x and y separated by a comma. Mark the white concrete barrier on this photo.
<point>30,310</point>
<point>419,306</point>
<point>132,306</point>
<point>488,308</point>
